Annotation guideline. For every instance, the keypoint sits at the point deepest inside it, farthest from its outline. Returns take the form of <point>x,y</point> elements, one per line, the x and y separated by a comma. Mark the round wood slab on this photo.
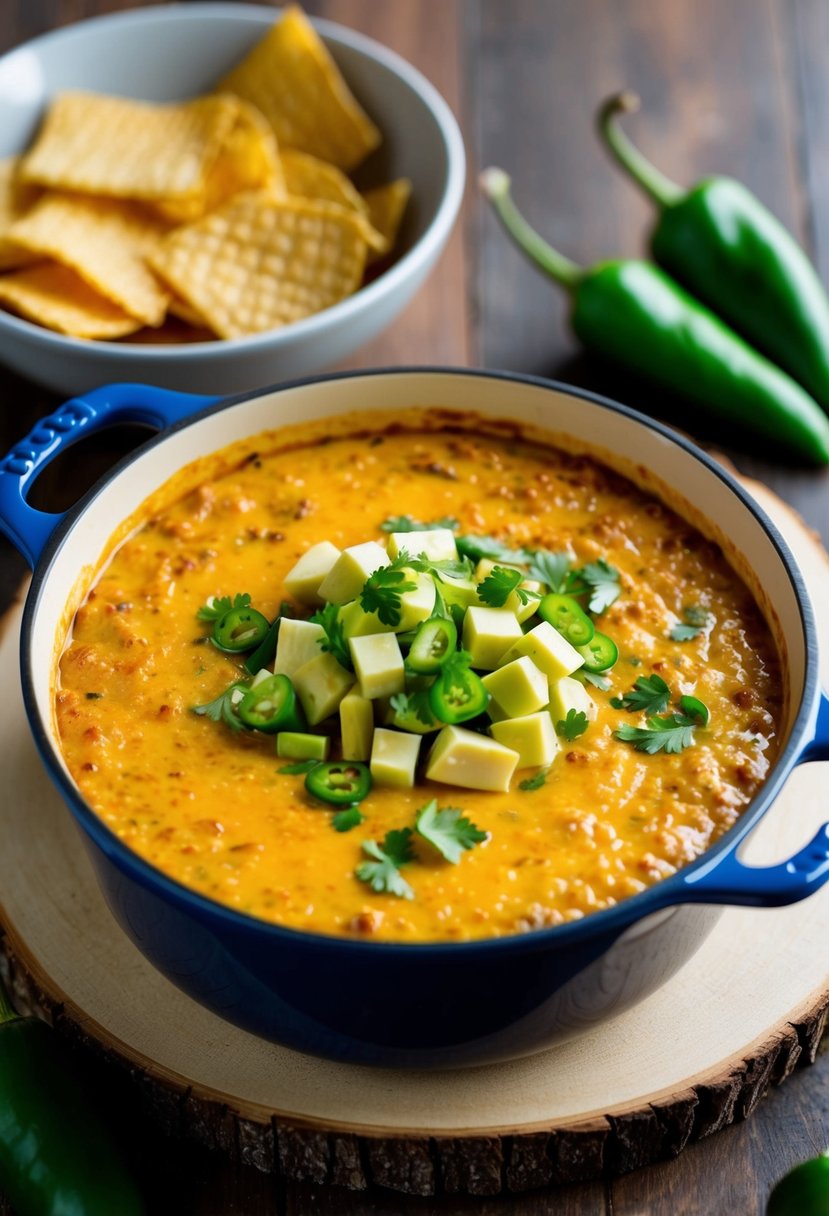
<point>692,1058</point>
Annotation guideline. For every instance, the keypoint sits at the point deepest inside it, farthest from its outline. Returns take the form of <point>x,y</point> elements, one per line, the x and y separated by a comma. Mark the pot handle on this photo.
<point>28,529</point>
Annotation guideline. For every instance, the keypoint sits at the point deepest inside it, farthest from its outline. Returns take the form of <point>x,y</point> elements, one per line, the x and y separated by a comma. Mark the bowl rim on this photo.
<point>600,924</point>
<point>426,247</point>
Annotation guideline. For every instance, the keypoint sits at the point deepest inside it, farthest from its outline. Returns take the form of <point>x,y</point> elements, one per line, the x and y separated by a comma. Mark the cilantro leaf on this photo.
<point>301,766</point>
<point>383,589</point>
<point>550,568</point>
<point>334,642</point>
<point>696,621</point>
<point>536,781</point>
<point>383,873</point>
<point>406,523</point>
<point>650,694</point>
<point>346,819</point>
<point>447,830</point>
<point>670,734</point>
<point>498,586</point>
<point>460,567</point>
<point>413,705</point>
<point>603,582</point>
<point>223,709</point>
<point>573,725</point>
<point>594,678</point>
<point>217,606</point>
<point>477,547</point>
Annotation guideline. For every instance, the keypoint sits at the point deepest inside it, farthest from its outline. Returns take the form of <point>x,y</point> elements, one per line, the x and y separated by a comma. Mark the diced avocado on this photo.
<point>356,726</point>
<point>461,591</point>
<point>378,662</point>
<point>488,634</point>
<point>394,758</point>
<point>297,644</point>
<point>522,611</point>
<point>567,694</point>
<point>294,745</point>
<point>438,544</point>
<point>533,737</point>
<point>517,689</point>
<point>320,685</point>
<point>550,652</point>
<point>303,580</point>
<point>357,623</point>
<point>463,757</point>
<point>417,605</point>
<point>346,578</point>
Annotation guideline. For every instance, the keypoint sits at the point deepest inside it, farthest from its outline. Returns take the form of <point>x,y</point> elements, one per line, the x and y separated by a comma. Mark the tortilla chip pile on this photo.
<point>223,216</point>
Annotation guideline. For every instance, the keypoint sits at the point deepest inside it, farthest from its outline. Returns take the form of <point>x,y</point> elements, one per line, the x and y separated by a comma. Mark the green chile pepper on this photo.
<point>56,1153</point>
<point>804,1191</point>
<point>339,782</point>
<point>600,653</point>
<point>720,242</point>
<point>435,641</point>
<point>457,694</point>
<point>567,617</point>
<point>271,706</point>
<point>240,629</point>
<point>631,311</point>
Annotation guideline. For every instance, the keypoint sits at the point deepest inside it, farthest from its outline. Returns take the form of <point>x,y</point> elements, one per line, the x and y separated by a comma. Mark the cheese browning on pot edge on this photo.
<point>210,807</point>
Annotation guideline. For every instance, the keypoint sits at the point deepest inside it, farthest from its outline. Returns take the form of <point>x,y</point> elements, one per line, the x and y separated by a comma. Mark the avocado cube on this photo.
<point>416,605</point>
<point>517,689</point>
<point>394,756</point>
<point>297,644</point>
<point>294,745</point>
<point>533,737</point>
<point>356,726</point>
<point>320,685</point>
<point>550,652</point>
<point>303,580</point>
<point>567,694</point>
<point>357,623</point>
<point>438,544</point>
<point>346,578</point>
<point>378,662</point>
<point>461,591</point>
<point>488,633</point>
<point>513,603</point>
<point>463,757</point>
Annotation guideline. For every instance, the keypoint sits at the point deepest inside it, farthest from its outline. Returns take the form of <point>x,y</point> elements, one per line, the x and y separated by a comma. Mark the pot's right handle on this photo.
<point>28,529</point>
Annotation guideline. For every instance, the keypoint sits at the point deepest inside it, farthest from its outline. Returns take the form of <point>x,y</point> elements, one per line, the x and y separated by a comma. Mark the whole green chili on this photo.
<point>720,242</point>
<point>56,1154</point>
<point>633,312</point>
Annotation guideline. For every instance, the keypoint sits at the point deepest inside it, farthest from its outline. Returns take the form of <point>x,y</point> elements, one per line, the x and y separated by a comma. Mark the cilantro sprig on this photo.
<point>695,620</point>
<point>649,694</point>
<point>382,590</point>
<point>573,725</point>
<point>477,547</point>
<point>407,523</point>
<point>447,567</point>
<point>346,819</point>
<point>414,704</point>
<point>328,617</point>
<point>670,734</point>
<point>536,781</point>
<point>498,586</point>
<point>223,708</point>
<point>382,872</point>
<point>218,606</point>
<point>603,582</point>
<point>447,830</point>
<point>550,568</point>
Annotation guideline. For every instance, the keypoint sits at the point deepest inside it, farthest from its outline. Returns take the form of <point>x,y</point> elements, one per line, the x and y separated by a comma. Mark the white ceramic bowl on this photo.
<point>169,53</point>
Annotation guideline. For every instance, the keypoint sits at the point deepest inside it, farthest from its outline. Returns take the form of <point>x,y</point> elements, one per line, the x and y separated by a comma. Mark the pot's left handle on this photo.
<point>28,529</point>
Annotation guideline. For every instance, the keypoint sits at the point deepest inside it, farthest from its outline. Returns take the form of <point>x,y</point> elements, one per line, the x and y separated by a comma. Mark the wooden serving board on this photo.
<point>692,1058</point>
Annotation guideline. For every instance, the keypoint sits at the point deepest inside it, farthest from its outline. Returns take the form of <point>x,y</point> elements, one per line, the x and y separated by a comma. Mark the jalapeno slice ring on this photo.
<point>339,782</point>
<point>435,641</point>
<point>457,695</point>
<point>600,653</point>
<point>271,706</point>
<point>240,629</point>
<point>567,617</point>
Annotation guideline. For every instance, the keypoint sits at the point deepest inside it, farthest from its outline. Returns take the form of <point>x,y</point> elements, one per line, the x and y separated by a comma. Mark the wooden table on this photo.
<point>737,87</point>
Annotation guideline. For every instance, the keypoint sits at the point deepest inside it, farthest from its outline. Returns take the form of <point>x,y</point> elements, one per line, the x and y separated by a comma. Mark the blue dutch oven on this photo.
<point>438,1004</point>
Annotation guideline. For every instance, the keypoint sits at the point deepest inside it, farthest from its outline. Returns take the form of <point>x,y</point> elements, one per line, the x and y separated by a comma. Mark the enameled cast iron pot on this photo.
<point>380,1003</point>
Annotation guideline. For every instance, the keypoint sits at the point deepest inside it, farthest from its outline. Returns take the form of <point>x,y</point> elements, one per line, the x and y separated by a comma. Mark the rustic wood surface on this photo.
<point>739,88</point>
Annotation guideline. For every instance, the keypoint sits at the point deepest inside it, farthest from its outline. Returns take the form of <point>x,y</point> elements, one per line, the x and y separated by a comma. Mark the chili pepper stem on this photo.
<point>495,184</point>
<point>8,1013</point>
<point>654,183</point>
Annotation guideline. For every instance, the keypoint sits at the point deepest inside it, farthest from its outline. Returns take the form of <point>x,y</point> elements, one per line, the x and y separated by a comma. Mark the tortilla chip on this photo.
<point>386,205</point>
<point>291,77</point>
<point>172,333</point>
<point>183,311</point>
<point>54,296</point>
<point>129,149</point>
<point>259,263</point>
<point>308,177</point>
<point>15,199</point>
<point>105,240</point>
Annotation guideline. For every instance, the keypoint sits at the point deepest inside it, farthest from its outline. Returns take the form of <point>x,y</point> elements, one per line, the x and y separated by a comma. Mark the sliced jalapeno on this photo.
<point>340,782</point>
<point>600,653</point>
<point>565,615</point>
<point>436,641</point>
<point>265,652</point>
<point>240,629</point>
<point>271,706</point>
<point>457,694</point>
